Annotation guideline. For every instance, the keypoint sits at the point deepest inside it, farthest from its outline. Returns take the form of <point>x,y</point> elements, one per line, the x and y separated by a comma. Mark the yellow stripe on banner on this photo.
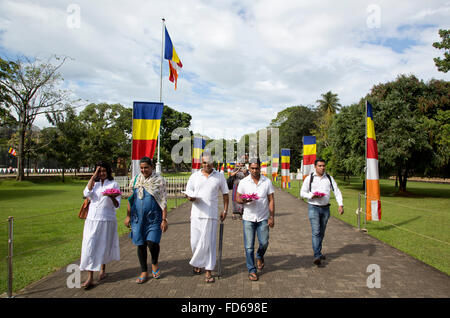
<point>146,129</point>
<point>309,150</point>
<point>285,159</point>
<point>175,57</point>
<point>197,153</point>
<point>370,129</point>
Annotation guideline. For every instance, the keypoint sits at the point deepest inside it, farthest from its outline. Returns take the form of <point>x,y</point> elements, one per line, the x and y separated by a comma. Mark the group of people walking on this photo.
<point>252,201</point>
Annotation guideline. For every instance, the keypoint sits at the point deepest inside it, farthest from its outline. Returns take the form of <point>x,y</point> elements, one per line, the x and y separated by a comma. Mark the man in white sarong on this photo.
<point>202,190</point>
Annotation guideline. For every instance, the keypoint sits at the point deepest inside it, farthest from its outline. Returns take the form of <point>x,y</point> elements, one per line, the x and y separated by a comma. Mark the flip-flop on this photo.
<point>197,272</point>
<point>253,277</point>
<point>260,262</point>
<point>142,279</point>
<point>156,274</point>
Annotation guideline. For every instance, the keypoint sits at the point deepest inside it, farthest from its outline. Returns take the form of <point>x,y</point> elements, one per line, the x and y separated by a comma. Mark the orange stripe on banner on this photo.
<point>373,194</point>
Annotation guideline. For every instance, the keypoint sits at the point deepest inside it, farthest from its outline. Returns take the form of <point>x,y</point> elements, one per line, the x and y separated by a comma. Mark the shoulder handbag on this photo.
<point>84,209</point>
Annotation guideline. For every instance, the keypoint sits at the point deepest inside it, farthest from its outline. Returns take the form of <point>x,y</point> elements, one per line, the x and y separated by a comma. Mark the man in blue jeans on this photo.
<point>258,215</point>
<point>315,184</point>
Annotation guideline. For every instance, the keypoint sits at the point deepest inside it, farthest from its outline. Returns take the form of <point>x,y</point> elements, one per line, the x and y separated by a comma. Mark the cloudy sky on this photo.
<point>243,61</point>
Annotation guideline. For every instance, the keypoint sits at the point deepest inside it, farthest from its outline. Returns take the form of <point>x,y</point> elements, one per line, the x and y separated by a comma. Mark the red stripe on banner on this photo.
<point>379,210</point>
<point>285,165</point>
<point>372,148</point>
<point>309,159</point>
<point>196,165</point>
<point>143,148</point>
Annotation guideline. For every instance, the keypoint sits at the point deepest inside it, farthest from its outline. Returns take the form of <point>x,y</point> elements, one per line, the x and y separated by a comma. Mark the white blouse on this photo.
<point>101,207</point>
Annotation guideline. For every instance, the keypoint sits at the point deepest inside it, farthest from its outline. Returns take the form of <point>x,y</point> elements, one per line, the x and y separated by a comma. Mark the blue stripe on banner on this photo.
<point>369,110</point>
<point>199,143</point>
<point>309,140</point>
<point>168,50</point>
<point>285,152</point>
<point>147,110</point>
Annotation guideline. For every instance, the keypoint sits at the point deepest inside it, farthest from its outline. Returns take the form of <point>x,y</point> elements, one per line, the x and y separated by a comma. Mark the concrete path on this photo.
<point>289,271</point>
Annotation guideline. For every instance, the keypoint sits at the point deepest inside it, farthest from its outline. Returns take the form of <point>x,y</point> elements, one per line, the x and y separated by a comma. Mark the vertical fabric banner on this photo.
<point>146,122</point>
<point>171,55</point>
<point>264,168</point>
<point>285,168</point>
<point>199,146</point>
<point>373,203</point>
<point>309,155</point>
<point>275,162</point>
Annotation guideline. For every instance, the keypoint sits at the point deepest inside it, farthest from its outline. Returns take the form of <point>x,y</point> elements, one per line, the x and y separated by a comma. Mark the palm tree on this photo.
<point>329,104</point>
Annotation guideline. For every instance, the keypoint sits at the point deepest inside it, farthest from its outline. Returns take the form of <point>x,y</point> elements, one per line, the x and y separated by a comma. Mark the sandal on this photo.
<point>209,279</point>
<point>253,277</point>
<point>156,274</point>
<point>142,279</point>
<point>195,272</point>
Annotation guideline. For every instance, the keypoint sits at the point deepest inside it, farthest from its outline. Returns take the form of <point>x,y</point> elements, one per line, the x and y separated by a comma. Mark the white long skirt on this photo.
<point>203,243</point>
<point>100,244</point>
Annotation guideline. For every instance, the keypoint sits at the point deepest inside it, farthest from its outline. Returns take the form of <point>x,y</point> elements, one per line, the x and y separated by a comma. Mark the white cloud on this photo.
<point>243,61</point>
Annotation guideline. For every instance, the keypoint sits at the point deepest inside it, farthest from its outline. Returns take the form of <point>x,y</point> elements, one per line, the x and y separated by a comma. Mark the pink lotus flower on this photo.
<point>253,196</point>
<point>111,191</point>
<point>319,194</point>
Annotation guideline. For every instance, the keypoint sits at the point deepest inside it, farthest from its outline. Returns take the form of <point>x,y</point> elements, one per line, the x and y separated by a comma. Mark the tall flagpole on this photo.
<point>158,164</point>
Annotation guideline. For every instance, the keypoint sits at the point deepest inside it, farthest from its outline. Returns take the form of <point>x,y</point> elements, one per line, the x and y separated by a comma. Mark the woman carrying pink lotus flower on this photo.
<point>100,239</point>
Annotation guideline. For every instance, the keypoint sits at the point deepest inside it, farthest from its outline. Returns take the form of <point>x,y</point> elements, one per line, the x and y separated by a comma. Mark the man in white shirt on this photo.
<point>202,190</point>
<point>319,206</point>
<point>258,215</point>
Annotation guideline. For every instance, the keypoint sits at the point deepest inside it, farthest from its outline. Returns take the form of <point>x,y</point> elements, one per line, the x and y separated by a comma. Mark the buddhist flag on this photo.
<point>264,168</point>
<point>174,61</point>
<point>222,170</point>
<point>373,203</point>
<point>309,155</point>
<point>12,152</point>
<point>285,168</point>
<point>199,146</point>
<point>275,162</point>
<point>146,122</point>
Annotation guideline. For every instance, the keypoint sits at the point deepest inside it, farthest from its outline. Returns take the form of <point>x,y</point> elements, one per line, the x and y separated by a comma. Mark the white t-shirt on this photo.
<point>206,191</point>
<point>258,210</point>
<point>101,207</point>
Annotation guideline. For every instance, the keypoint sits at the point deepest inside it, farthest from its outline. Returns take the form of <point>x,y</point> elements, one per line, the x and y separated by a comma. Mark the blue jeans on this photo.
<point>318,217</point>
<point>262,231</point>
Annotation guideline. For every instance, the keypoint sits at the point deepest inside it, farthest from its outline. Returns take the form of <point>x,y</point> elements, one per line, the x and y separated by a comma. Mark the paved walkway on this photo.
<point>289,271</point>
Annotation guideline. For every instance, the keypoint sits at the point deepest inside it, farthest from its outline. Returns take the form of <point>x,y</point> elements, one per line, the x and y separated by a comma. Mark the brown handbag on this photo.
<point>84,209</point>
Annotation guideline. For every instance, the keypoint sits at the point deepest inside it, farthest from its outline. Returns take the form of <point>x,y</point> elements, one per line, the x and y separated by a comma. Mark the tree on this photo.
<point>108,132</point>
<point>63,142</point>
<point>30,89</point>
<point>294,123</point>
<point>443,65</point>
<point>329,105</point>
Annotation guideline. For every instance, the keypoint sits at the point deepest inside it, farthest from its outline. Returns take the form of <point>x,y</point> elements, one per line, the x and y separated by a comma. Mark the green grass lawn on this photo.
<point>47,230</point>
<point>417,223</point>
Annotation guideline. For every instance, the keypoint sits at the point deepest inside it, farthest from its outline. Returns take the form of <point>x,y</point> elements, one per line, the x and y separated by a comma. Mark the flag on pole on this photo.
<point>285,168</point>
<point>222,170</point>
<point>12,152</point>
<point>373,203</point>
<point>309,155</point>
<point>275,162</point>
<point>146,122</point>
<point>199,146</point>
<point>174,61</point>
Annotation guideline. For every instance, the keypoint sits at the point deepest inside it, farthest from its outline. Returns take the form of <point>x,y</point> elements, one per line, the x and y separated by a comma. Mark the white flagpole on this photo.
<point>158,164</point>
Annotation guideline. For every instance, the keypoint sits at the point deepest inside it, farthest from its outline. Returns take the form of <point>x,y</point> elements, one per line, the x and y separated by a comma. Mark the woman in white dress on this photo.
<point>100,239</point>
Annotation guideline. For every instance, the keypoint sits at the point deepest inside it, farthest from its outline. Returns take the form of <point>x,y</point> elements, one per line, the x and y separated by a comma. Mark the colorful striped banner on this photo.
<point>12,151</point>
<point>146,122</point>
<point>285,168</point>
<point>373,203</point>
<point>275,162</point>
<point>199,146</point>
<point>264,168</point>
<point>309,155</point>
<point>174,61</point>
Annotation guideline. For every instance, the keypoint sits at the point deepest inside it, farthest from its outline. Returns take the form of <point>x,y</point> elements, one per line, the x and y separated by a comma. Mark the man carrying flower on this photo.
<point>256,193</point>
<point>317,188</point>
